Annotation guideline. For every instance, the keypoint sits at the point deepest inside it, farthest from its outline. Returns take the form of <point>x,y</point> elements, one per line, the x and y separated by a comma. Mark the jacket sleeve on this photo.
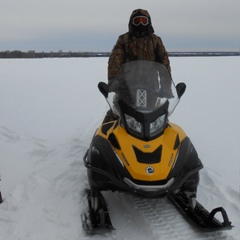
<point>116,58</point>
<point>161,54</point>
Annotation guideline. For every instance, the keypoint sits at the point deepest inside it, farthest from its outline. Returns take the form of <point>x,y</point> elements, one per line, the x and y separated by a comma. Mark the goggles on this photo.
<point>140,20</point>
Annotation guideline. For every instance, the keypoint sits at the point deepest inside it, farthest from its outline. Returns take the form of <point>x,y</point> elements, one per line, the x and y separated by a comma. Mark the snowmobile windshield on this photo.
<point>143,95</point>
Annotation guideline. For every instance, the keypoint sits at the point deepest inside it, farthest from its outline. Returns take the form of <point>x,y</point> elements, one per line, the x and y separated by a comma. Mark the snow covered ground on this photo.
<point>49,109</point>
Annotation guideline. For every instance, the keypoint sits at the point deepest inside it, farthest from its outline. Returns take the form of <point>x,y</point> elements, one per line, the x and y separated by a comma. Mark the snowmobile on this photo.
<point>140,151</point>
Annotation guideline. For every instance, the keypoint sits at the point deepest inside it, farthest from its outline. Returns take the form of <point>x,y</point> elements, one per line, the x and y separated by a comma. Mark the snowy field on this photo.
<point>49,110</point>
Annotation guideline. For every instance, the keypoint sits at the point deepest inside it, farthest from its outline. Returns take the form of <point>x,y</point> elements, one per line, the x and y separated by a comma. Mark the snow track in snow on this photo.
<point>143,218</point>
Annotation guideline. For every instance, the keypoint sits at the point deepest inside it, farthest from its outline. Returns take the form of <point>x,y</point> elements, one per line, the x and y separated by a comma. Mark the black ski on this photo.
<point>199,216</point>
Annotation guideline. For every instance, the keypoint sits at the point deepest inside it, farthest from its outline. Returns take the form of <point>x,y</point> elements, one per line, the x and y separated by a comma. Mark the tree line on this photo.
<point>58,54</point>
<point>62,54</point>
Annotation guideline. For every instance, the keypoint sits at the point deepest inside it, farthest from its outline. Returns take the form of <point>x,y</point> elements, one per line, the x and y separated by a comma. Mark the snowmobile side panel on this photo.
<point>185,163</point>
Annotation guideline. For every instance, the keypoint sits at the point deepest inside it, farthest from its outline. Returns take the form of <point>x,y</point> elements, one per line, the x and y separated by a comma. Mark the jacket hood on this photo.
<point>140,12</point>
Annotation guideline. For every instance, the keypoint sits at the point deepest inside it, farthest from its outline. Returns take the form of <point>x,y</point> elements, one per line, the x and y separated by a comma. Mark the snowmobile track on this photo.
<point>144,218</point>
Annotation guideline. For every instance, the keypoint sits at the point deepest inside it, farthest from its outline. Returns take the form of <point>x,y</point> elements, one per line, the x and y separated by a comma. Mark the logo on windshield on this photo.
<point>141,98</point>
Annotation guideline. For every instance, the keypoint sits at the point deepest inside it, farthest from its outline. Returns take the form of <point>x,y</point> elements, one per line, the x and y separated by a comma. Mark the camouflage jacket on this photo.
<point>129,48</point>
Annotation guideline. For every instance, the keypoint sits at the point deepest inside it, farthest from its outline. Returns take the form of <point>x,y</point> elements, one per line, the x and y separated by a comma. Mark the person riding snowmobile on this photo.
<point>138,150</point>
<point>139,43</point>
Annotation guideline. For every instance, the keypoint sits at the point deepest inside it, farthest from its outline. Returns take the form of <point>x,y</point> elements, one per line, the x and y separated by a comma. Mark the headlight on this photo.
<point>133,124</point>
<point>157,126</point>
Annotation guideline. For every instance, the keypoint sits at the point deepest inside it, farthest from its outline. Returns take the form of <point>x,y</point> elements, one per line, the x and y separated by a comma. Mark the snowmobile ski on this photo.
<point>96,221</point>
<point>199,217</point>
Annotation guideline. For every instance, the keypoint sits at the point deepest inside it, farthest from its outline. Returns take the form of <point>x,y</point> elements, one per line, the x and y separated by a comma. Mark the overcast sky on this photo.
<point>94,25</point>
